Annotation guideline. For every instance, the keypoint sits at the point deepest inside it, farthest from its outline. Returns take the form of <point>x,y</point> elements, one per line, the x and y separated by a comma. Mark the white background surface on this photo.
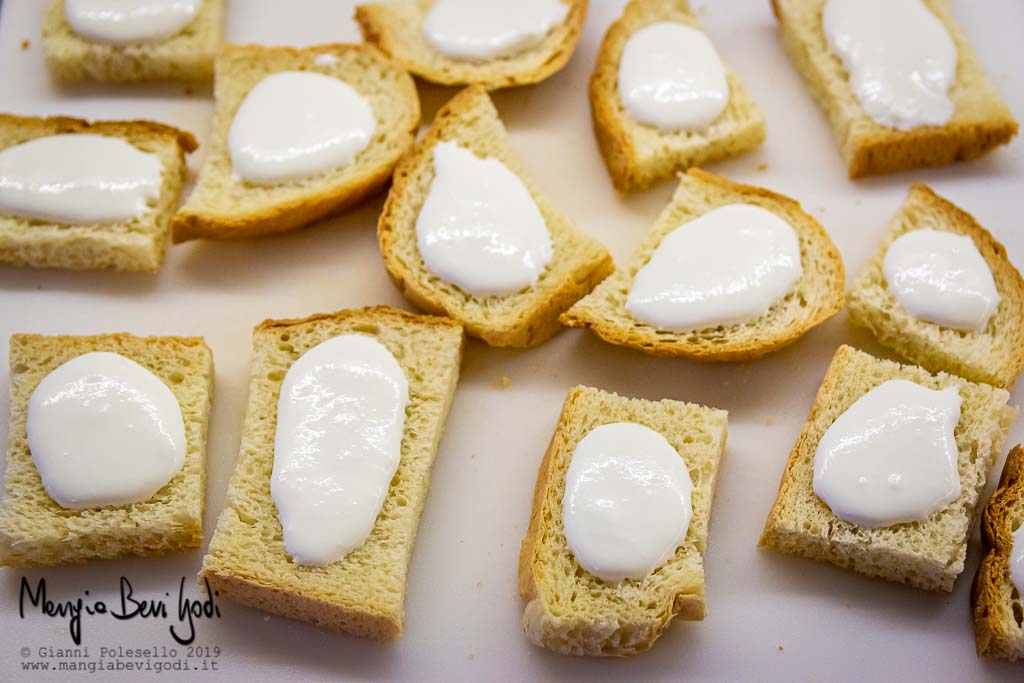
<point>769,617</point>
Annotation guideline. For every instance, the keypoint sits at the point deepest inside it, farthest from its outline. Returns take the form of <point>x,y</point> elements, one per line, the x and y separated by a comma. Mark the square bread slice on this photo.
<point>138,245</point>
<point>573,612</point>
<point>981,120</point>
<point>397,28</point>
<point>35,530</point>
<point>997,603</point>
<point>816,297</point>
<point>525,318</point>
<point>994,355</point>
<point>364,593</point>
<point>186,56</point>
<point>928,554</point>
<point>224,206</point>
<point>638,155</point>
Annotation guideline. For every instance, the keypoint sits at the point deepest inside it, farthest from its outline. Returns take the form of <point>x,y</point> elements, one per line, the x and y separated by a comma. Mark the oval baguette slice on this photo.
<point>397,29</point>
<point>521,319</point>
<point>638,155</point>
<point>816,296</point>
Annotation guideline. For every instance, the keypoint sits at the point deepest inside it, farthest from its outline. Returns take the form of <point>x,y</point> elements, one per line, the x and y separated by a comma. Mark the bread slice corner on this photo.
<point>525,318</point>
<point>981,120</point>
<point>136,245</point>
<point>638,155</point>
<point>364,593</point>
<point>186,56</point>
<point>397,28</point>
<point>569,610</point>
<point>996,602</point>
<point>35,530</point>
<point>223,206</point>
<point>928,554</point>
<point>816,297</point>
<point>994,355</point>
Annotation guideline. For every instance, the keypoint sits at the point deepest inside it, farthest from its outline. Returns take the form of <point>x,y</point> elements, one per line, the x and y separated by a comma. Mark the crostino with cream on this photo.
<point>78,179</point>
<point>479,227</point>
<point>727,266</point>
<point>340,421</point>
<point>892,456</point>
<point>123,22</point>
<point>297,124</point>
<point>627,502</point>
<point>475,30</point>
<point>670,77</point>
<point>103,430</point>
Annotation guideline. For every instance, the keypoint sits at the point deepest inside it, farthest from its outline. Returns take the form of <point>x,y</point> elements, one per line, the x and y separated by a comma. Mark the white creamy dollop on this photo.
<point>476,30</point>
<point>122,22</point>
<point>728,266</point>
<point>297,124</point>
<point>900,58</point>
<point>480,228</point>
<point>671,77</point>
<point>103,430</point>
<point>340,420</point>
<point>892,456</point>
<point>78,179</point>
<point>627,502</point>
<point>941,277</point>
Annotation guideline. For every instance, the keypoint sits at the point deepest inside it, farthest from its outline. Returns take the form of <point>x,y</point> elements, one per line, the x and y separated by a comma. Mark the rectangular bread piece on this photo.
<point>186,56</point>
<point>35,530</point>
<point>981,120</point>
<point>639,155</point>
<point>137,245</point>
<point>569,610</point>
<point>993,355</point>
<point>928,554</point>
<point>364,593</point>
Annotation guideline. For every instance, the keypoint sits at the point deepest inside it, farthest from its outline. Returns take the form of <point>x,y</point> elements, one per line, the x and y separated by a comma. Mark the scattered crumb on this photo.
<point>762,167</point>
<point>472,456</point>
<point>479,583</point>
<point>502,382</point>
<point>781,649</point>
<point>25,44</point>
<point>266,618</point>
<point>471,655</point>
<point>858,202</point>
<point>769,422</point>
<point>189,90</point>
<point>821,210</point>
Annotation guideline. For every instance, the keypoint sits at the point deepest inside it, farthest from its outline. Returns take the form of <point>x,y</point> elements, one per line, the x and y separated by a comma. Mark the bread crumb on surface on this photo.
<point>769,422</point>
<point>762,168</point>
<point>25,44</point>
<point>502,382</point>
<point>781,649</point>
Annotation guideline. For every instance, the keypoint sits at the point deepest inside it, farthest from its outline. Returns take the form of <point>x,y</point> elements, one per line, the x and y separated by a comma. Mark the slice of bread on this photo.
<point>572,611</point>
<point>35,530</point>
<point>994,355</point>
<point>816,297</point>
<point>137,245</point>
<point>397,28</point>
<point>638,155</point>
<point>928,554</point>
<point>997,603</point>
<point>522,319</point>
<point>981,120</point>
<point>186,56</point>
<point>224,206</point>
<point>364,593</point>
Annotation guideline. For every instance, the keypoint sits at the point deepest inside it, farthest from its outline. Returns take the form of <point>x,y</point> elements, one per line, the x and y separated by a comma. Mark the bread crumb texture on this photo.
<point>35,530</point>
<point>569,610</point>
<point>363,593</point>
<point>928,554</point>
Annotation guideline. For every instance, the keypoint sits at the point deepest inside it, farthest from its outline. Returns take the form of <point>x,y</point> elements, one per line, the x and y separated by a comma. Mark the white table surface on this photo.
<point>770,617</point>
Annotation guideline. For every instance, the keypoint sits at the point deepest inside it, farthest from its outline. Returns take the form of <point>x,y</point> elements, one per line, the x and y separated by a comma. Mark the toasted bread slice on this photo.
<point>186,56</point>
<point>997,603</point>
<point>35,530</point>
<point>522,319</point>
<point>994,355</point>
<point>137,245</point>
<point>638,155</point>
<point>397,28</point>
<point>224,206</point>
<point>364,593</point>
<point>928,554</point>
<point>981,120</point>
<point>816,297</point>
<point>572,611</point>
